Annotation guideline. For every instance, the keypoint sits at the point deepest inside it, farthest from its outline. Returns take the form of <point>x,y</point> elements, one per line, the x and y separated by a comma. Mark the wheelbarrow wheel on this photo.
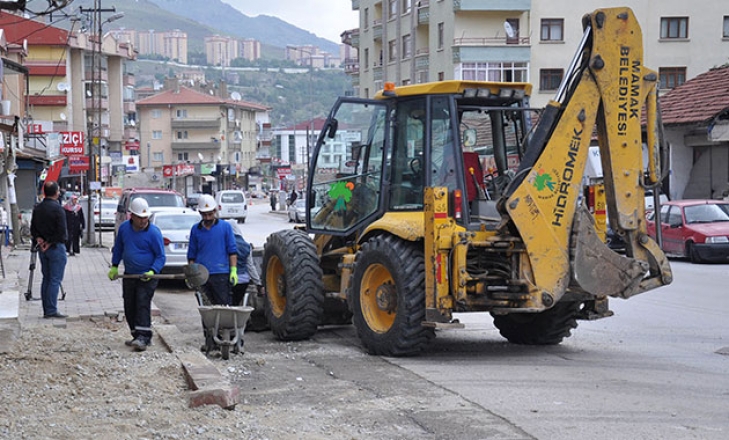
<point>225,346</point>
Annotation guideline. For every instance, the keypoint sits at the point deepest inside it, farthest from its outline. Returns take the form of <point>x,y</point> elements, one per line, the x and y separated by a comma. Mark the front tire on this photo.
<point>549,327</point>
<point>691,253</point>
<point>387,293</point>
<point>294,287</point>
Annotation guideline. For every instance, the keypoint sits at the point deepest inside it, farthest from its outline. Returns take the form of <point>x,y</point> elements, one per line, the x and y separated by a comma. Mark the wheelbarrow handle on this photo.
<point>180,276</point>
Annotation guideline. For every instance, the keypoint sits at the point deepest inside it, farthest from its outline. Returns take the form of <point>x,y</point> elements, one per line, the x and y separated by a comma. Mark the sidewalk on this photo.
<point>89,293</point>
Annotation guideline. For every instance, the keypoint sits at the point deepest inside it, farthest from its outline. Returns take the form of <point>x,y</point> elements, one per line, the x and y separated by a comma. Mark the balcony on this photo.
<point>47,100</point>
<point>91,75</point>
<point>130,107</point>
<point>351,65</point>
<point>422,59</point>
<point>377,73</point>
<point>377,29</point>
<point>96,104</point>
<point>491,5</point>
<point>192,146</point>
<point>424,13</point>
<point>129,80</point>
<point>490,42</point>
<point>131,133</point>
<point>196,123</point>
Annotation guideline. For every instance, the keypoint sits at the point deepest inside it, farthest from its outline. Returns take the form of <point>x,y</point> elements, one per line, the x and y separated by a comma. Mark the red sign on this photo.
<point>77,164</point>
<point>35,129</point>
<point>180,169</point>
<point>72,142</point>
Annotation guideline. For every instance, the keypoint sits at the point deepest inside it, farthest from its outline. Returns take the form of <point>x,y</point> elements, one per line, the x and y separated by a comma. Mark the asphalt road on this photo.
<point>656,370</point>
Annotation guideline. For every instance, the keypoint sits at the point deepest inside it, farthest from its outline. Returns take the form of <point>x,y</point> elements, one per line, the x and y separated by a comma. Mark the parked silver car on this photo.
<point>175,226</point>
<point>297,211</point>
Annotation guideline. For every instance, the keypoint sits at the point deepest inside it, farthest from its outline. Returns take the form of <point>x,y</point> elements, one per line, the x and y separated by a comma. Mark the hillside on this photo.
<point>201,19</point>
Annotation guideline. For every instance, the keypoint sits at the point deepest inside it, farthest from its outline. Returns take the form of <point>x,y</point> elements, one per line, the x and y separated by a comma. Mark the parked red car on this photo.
<point>694,229</point>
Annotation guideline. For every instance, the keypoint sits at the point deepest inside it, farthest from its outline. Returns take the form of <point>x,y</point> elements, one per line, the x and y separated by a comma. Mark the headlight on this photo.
<point>717,239</point>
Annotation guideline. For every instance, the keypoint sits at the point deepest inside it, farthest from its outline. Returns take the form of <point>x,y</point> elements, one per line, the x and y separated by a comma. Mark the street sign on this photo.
<point>71,142</point>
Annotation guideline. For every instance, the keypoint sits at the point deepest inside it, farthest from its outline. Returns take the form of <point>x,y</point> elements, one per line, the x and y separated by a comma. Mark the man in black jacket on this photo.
<point>48,228</point>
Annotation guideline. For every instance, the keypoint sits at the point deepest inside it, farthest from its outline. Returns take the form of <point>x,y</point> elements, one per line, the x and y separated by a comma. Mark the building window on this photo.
<point>181,113</point>
<point>725,32</point>
<point>366,18</point>
<point>406,44</point>
<point>504,72</point>
<point>392,9</point>
<point>392,50</point>
<point>672,77</point>
<point>549,79</point>
<point>157,134</point>
<point>183,157</point>
<point>441,36</point>
<point>552,29</point>
<point>182,134</point>
<point>156,113</point>
<point>406,5</point>
<point>674,27</point>
<point>422,77</point>
<point>158,157</point>
<point>367,58</point>
<point>441,76</point>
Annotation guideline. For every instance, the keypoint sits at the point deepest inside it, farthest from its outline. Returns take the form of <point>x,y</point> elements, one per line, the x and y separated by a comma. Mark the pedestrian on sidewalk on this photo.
<point>48,229</point>
<point>75,224</point>
<point>140,246</point>
<point>212,244</point>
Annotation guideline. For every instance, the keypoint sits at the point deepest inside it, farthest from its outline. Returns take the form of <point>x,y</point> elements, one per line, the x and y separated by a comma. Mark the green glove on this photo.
<point>234,275</point>
<point>113,273</point>
<point>147,275</point>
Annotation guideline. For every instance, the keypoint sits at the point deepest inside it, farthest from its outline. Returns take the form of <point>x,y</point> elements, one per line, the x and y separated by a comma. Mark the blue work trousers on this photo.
<point>53,265</point>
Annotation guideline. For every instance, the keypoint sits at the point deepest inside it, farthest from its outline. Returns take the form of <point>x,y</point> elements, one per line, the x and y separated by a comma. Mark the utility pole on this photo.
<point>94,129</point>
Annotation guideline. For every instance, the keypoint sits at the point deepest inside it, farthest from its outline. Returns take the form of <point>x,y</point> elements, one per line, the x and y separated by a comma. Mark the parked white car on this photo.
<point>175,225</point>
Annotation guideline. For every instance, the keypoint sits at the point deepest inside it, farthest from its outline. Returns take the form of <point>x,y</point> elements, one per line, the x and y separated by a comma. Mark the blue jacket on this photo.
<point>141,251</point>
<point>244,249</point>
<point>212,247</point>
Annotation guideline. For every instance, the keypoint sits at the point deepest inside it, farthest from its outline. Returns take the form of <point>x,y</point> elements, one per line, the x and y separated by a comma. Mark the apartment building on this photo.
<point>76,83</point>
<point>221,50</point>
<point>309,55</point>
<point>213,134</point>
<point>407,41</point>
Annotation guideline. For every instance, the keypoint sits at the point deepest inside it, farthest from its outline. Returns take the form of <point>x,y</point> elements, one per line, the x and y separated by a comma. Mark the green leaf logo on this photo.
<point>543,180</point>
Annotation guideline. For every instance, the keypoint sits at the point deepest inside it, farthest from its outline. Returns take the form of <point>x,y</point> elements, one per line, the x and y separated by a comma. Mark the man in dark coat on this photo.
<point>75,223</point>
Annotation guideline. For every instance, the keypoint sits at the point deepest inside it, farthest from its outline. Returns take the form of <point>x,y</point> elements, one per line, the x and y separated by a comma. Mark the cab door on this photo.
<point>347,167</point>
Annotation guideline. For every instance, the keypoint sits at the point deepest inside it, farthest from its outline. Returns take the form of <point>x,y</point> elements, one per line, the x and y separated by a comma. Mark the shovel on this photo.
<point>194,274</point>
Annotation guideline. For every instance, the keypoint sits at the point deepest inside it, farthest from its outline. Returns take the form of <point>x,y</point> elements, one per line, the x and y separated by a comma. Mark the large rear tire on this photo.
<point>294,287</point>
<point>549,327</point>
<point>387,293</point>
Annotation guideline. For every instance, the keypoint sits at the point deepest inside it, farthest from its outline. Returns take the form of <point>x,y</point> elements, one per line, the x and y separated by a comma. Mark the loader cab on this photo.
<point>378,156</point>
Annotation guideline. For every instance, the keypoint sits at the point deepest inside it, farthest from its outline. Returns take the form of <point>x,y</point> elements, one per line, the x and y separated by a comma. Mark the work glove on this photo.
<point>234,275</point>
<point>113,273</point>
<point>147,275</point>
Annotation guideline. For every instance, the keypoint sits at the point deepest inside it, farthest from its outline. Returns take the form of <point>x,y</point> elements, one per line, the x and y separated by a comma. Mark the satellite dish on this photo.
<point>200,156</point>
<point>63,87</point>
<point>88,93</point>
<point>236,96</point>
<point>509,30</point>
<point>62,116</point>
<point>212,93</point>
<point>133,123</point>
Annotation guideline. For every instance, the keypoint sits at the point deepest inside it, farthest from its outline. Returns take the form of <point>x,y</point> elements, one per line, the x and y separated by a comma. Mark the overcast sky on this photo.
<point>324,18</point>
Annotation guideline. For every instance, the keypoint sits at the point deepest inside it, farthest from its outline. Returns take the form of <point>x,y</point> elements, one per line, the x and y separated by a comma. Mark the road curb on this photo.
<point>204,379</point>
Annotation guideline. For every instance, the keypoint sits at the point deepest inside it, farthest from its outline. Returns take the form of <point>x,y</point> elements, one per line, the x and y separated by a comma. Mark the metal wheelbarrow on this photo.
<point>224,327</point>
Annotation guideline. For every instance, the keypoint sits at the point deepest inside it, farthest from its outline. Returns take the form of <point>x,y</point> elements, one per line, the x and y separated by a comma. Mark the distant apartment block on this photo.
<point>168,44</point>
<point>221,50</point>
<point>250,49</point>
<point>309,55</point>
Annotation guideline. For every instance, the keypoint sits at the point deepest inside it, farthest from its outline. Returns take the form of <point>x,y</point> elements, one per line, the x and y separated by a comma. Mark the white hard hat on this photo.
<point>140,207</point>
<point>206,203</point>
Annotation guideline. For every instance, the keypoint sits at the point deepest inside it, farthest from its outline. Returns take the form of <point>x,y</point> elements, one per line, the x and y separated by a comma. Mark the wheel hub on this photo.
<point>386,297</point>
